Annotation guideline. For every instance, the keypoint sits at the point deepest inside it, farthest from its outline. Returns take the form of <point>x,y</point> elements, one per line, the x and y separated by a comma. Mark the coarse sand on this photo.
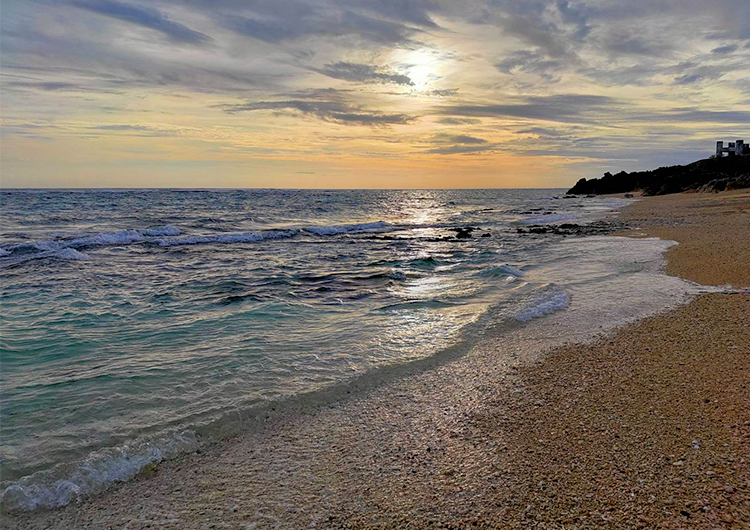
<point>649,427</point>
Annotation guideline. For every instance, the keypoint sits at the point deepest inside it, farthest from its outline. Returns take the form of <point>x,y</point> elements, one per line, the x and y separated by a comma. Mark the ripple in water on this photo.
<point>135,323</point>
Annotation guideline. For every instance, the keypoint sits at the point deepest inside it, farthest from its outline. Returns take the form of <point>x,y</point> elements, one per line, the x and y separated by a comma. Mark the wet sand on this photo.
<point>647,428</point>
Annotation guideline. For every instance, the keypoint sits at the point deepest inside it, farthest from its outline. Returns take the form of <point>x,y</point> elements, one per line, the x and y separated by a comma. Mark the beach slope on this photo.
<point>649,427</point>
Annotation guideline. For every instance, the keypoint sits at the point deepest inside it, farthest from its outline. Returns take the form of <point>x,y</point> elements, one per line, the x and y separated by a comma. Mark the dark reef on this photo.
<point>712,174</point>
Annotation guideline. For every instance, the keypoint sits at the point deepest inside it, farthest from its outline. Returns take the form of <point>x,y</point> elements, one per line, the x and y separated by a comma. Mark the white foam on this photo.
<point>69,253</point>
<point>99,470</point>
<point>166,236</point>
<point>117,238</point>
<point>552,301</point>
<point>504,270</point>
<point>167,230</point>
<point>121,237</point>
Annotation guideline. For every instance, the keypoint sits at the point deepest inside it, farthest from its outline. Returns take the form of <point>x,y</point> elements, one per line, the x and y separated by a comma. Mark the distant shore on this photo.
<point>647,428</point>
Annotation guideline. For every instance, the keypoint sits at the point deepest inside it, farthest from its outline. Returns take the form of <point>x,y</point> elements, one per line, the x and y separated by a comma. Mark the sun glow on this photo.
<point>422,66</point>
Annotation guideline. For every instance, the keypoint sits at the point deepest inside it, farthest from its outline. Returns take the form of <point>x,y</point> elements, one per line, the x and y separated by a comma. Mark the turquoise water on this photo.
<point>135,323</point>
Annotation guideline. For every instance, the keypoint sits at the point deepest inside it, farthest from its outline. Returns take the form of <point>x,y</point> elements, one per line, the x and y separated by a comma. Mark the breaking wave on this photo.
<point>166,236</point>
<point>98,471</point>
<point>551,300</point>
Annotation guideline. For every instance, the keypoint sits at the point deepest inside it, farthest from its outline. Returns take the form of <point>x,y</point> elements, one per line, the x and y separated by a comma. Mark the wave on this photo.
<point>417,304</point>
<point>341,229</point>
<point>98,471</point>
<point>255,237</point>
<point>549,218</point>
<point>554,299</point>
<point>166,236</point>
<point>71,254</point>
<point>56,247</point>
<point>502,270</point>
<point>242,237</point>
<point>167,230</point>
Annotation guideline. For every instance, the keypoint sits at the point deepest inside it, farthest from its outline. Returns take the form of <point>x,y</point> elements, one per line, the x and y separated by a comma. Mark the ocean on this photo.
<point>138,324</point>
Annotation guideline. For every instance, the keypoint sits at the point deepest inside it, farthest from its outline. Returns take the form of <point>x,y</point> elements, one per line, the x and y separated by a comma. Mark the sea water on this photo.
<point>136,323</point>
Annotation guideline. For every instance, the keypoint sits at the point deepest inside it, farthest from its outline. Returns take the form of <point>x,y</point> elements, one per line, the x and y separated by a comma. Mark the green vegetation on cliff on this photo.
<point>712,174</point>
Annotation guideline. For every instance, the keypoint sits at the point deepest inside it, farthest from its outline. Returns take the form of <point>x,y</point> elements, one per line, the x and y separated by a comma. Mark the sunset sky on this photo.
<point>365,93</point>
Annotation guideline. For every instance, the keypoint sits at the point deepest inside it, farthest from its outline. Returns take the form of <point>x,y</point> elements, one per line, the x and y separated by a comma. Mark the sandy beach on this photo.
<point>647,427</point>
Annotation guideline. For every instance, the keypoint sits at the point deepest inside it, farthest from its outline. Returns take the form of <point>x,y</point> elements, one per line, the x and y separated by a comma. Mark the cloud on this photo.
<point>457,139</point>
<point>723,50</point>
<point>628,44</point>
<point>528,22</point>
<point>461,149</point>
<point>693,115</point>
<point>136,130</point>
<point>459,121</point>
<point>335,111</point>
<point>546,132</point>
<point>639,65</point>
<point>145,17</point>
<point>441,93</point>
<point>454,144</point>
<point>578,15</point>
<point>54,86</point>
<point>324,24</point>
<point>362,73</point>
<point>79,62</point>
<point>530,62</point>
<point>563,108</point>
<point>416,12</point>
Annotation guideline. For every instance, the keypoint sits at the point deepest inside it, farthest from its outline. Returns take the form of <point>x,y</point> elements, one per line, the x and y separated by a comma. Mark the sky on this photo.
<point>364,93</point>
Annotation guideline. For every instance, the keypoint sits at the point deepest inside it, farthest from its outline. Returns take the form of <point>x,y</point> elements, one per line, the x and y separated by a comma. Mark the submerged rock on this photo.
<point>572,229</point>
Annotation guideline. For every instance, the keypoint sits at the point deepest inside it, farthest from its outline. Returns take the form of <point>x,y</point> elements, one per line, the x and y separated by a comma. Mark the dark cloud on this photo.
<point>362,73</point>
<point>335,111</point>
<point>694,71</point>
<point>692,115</point>
<point>136,130</point>
<point>722,50</point>
<point>316,13</point>
<point>322,23</point>
<point>54,86</point>
<point>546,37</point>
<point>617,75</point>
<point>145,17</point>
<point>461,149</point>
<point>530,62</point>
<point>442,93</point>
<point>121,128</point>
<point>79,63</point>
<point>688,79</point>
<point>578,15</point>
<point>454,144</point>
<point>628,44</point>
<point>459,121</point>
<point>527,22</point>
<point>563,108</point>
<point>457,139</point>
<point>416,12</point>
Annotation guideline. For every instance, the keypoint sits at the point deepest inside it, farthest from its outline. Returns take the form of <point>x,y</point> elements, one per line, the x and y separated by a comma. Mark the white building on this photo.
<point>738,148</point>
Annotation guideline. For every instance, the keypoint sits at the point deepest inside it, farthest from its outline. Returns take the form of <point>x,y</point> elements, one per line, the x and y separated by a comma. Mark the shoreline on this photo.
<point>497,444</point>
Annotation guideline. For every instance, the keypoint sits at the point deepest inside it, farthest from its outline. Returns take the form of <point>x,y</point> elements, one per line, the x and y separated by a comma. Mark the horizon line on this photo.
<point>2,189</point>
